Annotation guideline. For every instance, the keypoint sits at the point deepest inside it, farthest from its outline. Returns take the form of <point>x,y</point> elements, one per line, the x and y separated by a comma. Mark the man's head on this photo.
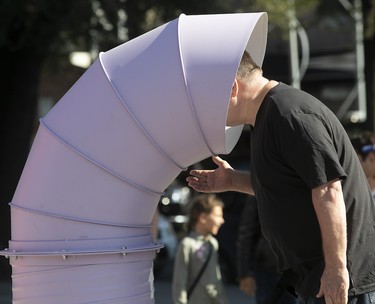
<point>247,67</point>
<point>249,81</point>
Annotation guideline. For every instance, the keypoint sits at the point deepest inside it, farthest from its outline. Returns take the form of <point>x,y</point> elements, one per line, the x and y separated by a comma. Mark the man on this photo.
<point>315,205</point>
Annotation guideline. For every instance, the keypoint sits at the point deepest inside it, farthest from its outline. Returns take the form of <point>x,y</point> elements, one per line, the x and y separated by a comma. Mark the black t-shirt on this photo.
<point>297,145</point>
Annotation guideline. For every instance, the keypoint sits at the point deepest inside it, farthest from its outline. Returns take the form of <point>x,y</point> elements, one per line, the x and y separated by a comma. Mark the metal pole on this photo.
<point>293,46</point>
<point>360,115</point>
<point>360,52</point>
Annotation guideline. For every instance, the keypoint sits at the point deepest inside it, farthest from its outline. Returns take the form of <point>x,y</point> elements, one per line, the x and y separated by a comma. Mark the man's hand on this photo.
<point>218,180</point>
<point>334,285</point>
<point>223,178</point>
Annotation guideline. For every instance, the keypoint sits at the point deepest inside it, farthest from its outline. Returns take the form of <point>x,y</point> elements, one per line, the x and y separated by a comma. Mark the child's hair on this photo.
<point>364,143</point>
<point>203,203</point>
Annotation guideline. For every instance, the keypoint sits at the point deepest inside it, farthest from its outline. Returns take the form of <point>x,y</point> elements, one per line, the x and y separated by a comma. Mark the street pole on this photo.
<point>293,46</point>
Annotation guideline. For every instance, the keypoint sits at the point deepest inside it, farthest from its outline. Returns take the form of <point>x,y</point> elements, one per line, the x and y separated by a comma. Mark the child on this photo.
<point>196,276</point>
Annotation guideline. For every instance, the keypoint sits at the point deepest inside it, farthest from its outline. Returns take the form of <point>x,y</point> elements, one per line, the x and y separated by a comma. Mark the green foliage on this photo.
<point>154,13</point>
<point>61,26</point>
<point>278,9</point>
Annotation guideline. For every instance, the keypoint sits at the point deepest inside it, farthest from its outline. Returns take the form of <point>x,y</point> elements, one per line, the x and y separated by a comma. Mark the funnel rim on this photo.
<point>85,252</point>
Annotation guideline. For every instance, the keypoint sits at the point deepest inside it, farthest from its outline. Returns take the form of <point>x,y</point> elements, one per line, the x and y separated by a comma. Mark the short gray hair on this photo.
<point>247,65</point>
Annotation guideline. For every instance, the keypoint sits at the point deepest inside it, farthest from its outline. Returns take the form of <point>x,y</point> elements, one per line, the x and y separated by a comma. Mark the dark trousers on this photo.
<point>366,298</point>
<point>266,282</point>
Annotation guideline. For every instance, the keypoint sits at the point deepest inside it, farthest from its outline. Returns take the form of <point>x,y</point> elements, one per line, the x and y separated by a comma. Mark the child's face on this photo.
<point>368,164</point>
<point>213,220</point>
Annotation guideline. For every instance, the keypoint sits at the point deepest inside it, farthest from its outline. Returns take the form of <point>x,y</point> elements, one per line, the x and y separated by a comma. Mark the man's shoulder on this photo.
<point>286,100</point>
<point>283,90</point>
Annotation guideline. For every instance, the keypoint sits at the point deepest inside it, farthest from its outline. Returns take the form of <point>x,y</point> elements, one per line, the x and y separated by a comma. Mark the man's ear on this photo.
<point>234,89</point>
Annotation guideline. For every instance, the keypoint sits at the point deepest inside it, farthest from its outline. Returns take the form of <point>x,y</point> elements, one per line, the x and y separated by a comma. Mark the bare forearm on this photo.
<point>241,182</point>
<point>330,209</point>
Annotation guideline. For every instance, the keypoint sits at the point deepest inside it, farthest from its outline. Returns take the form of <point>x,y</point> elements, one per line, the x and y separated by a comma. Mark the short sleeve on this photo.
<point>307,145</point>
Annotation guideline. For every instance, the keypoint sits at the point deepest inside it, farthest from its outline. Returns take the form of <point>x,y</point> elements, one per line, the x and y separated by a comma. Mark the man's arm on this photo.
<point>329,206</point>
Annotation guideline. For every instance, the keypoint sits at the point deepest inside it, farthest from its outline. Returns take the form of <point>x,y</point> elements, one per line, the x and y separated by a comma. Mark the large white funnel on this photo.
<point>144,111</point>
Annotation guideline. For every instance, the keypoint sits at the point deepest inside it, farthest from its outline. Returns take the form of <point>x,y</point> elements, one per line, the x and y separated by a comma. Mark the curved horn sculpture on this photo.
<point>103,155</point>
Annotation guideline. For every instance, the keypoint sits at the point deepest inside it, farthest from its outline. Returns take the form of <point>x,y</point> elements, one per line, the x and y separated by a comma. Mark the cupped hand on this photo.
<point>208,181</point>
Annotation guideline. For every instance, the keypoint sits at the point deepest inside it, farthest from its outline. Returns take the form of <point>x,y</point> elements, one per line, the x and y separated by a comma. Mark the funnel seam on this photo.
<point>75,219</point>
<point>144,131</point>
<point>131,257</point>
<point>188,90</point>
<point>94,162</point>
<point>146,248</point>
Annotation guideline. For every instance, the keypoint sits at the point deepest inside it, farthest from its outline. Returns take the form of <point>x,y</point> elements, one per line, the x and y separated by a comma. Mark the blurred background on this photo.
<point>325,47</point>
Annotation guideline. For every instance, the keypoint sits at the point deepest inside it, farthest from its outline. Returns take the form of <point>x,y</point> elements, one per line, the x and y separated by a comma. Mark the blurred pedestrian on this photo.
<point>256,263</point>
<point>364,145</point>
<point>196,274</point>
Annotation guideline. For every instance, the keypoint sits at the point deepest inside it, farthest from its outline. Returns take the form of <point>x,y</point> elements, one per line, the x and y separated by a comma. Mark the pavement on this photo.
<point>5,292</point>
<point>235,296</point>
<point>162,293</point>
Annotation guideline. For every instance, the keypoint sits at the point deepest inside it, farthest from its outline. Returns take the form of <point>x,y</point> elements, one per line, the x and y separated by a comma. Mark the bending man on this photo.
<point>315,205</point>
